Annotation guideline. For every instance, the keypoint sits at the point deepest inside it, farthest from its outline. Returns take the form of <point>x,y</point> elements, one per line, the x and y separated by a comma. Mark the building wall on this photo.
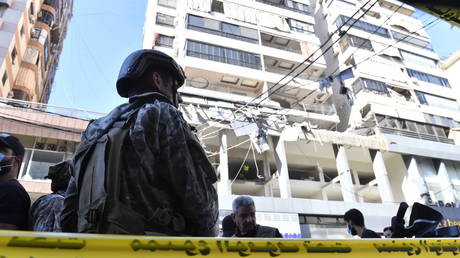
<point>32,32</point>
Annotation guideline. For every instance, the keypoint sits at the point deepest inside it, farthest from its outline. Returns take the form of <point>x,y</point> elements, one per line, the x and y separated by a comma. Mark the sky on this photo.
<point>103,32</point>
<point>99,37</point>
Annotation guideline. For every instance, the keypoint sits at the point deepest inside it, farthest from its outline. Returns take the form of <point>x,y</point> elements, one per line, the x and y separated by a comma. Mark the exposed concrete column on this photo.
<point>268,187</point>
<point>320,173</point>
<point>343,168</point>
<point>354,172</point>
<point>322,180</point>
<point>416,190</point>
<point>381,174</point>
<point>223,187</point>
<point>282,167</point>
<point>448,190</point>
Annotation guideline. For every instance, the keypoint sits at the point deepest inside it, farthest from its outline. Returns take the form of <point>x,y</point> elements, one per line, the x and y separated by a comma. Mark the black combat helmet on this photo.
<point>137,63</point>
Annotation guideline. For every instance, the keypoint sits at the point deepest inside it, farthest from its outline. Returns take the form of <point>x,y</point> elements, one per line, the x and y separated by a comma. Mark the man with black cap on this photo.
<point>14,200</point>
<point>165,184</point>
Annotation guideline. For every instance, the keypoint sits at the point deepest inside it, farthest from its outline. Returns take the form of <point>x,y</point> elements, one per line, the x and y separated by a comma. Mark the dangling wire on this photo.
<point>242,164</point>
<point>255,162</point>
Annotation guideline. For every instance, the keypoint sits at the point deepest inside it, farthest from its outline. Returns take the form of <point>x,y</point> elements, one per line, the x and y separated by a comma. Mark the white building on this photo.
<point>452,67</point>
<point>303,170</point>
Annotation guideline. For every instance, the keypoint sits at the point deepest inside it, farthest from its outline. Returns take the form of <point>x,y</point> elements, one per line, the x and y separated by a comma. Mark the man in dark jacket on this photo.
<point>14,200</point>
<point>355,221</point>
<point>244,216</point>
<point>45,213</point>
<point>166,177</point>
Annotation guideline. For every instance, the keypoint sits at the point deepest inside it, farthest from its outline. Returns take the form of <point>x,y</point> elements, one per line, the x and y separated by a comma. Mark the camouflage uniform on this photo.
<point>164,167</point>
<point>45,213</point>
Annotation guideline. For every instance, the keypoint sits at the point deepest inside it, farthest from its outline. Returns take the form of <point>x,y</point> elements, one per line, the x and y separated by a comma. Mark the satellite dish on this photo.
<point>199,82</point>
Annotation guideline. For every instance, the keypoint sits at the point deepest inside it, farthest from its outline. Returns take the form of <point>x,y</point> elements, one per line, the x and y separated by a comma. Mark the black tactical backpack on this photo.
<point>97,174</point>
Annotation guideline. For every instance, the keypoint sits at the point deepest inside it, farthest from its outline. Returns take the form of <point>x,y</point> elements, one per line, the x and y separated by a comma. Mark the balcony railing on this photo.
<point>427,137</point>
<point>224,59</point>
<point>52,3</point>
<point>323,109</point>
<point>285,48</point>
<point>40,107</point>
<point>223,34</point>
<point>282,5</point>
<point>223,88</point>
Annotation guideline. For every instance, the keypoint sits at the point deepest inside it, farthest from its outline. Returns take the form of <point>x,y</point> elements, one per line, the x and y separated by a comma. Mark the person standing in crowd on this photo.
<point>164,179</point>
<point>355,222</point>
<point>228,226</point>
<point>244,216</point>
<point>45,213</point>
<point>14,200</point>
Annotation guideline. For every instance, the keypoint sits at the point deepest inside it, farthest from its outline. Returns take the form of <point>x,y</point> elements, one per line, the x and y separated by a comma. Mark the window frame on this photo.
<point>428,78</point>
<point>294,26</point>
<point>159,41</point>
<point>164,19</point>
<point>364,26</point>
<point>223,54</point>
<point>167,3</point>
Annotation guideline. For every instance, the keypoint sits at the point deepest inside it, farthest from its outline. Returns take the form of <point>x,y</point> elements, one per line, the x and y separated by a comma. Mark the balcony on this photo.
<point>222,29</point>
<point>222,34</point>
<point>324,109</point>
<point>46,17</point>
<point>39,34</point>
<point>306,105</point>
<point>288,5</point>
<point>52,3</point>
<point>281,43</point>
<point>427,137</point>
<point>223,54</point>
<point>234,90</point>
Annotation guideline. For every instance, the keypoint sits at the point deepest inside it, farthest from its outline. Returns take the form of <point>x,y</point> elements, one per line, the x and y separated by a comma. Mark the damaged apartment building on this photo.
<point>311,133</point>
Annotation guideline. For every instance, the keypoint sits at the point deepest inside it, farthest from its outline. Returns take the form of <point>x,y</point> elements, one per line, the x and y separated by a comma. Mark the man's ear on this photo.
<point>157,80</point>
<point>233,216</point>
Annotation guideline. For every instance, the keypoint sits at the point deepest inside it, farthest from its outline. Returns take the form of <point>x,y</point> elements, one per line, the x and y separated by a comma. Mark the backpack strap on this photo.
<point>114,181</point>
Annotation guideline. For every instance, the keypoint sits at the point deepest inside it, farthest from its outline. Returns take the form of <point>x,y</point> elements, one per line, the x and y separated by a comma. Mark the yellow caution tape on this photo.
<point>62,245</point>
<point>450,14</point>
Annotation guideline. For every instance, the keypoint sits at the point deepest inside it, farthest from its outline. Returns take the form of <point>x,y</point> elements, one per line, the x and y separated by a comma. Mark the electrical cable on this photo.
<point>426,26</point>
<point>341,35</point>
<point>255,162</point>
<point>241,167</point>
<point>310,56</point>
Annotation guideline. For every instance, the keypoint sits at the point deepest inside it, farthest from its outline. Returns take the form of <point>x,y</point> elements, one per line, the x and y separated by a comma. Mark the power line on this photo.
<point>373,33</point>
<point>341,34</point>
<point>295,68</point>
<point>304,61</point>
<point>426,26</point>
<point>375,54</point>
<point>231,147</point>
